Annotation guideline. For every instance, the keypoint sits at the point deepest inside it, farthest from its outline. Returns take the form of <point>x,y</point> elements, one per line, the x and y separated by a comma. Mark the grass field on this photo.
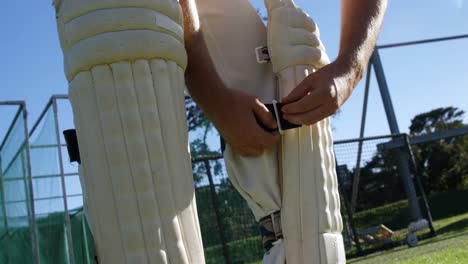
<point>450,215</point>
<point>449,246</point>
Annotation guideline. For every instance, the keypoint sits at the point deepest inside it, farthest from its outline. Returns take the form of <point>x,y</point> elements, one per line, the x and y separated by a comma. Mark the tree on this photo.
<point>380,181</point>
<point>199,125</point>
<point>437,120</point>
<point>443,164</point>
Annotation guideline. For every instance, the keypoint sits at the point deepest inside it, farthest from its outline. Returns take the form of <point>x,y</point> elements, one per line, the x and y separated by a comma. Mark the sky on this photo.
<point>420,78</point>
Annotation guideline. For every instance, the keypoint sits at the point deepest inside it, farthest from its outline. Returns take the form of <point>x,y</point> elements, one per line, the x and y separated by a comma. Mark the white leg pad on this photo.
<point>310,213</point>
<point>332,245</point>
<point>129,113</point>
<point>310,205</point>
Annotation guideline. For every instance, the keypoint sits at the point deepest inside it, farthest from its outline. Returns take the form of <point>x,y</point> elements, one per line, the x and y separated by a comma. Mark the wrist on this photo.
<point>351,67</point>
<point>218,103</point>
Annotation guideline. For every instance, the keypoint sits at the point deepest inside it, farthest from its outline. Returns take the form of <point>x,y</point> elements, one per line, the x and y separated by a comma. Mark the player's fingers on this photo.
<point>311,117</point>
<point>264,115</point>
<point>296,94</point>
<point>305,104</point>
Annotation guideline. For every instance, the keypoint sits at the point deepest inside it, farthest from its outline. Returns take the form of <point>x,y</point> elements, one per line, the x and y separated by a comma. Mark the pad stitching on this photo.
<point>146,150</point>
<point>107,163</point>
<point>164,150</point>
<point>76,107</point>
<point>163,31</point>
<point>174,83</point>
<point>163,244</point>
<point>330,175</point>
<point>115,94</point>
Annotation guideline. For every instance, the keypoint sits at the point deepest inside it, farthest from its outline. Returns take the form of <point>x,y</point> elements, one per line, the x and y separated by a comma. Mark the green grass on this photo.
<point>449,246</point>
<point>450,221</point>
<point>396,215</point>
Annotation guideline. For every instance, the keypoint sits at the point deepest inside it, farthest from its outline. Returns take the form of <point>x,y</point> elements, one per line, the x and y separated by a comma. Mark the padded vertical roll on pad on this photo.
<point>129,114</point>
<point>310,213</point>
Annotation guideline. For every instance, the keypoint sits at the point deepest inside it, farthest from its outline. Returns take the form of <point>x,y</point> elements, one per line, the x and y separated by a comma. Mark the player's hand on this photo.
<point>322,93</point>
<point>236,121</point>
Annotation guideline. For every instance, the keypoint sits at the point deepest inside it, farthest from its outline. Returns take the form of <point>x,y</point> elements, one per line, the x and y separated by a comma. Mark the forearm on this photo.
<point>203,82</point>
<point>361,21</point>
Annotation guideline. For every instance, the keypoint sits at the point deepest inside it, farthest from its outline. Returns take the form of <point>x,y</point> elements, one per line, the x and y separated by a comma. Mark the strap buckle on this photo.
<point>262,54</point>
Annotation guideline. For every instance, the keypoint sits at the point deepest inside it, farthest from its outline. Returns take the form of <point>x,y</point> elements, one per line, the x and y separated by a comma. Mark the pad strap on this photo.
<point>270,229</point>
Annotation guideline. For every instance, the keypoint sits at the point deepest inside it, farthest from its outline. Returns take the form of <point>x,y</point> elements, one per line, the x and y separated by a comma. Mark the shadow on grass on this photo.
<point>453,227</point>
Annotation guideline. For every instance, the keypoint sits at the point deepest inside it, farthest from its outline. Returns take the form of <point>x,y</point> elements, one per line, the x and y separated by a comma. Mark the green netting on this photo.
<point>19,227</point>
<point>49,198</point>
<point>16,229</point>
<point>16,248</point>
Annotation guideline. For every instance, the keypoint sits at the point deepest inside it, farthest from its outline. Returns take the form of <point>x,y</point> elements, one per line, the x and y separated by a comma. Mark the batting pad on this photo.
<point>310,214</point>
<point>125,64</point>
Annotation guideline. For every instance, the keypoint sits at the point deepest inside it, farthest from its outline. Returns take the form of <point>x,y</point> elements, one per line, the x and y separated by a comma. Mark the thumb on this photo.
<point>264,115</point>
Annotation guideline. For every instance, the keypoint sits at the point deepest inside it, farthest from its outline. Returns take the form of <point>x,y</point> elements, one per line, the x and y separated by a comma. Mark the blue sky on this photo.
<point>420,77</point>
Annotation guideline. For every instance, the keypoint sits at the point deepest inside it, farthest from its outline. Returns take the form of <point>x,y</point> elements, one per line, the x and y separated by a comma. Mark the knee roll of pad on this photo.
<point>126,85</point>
<point>96,32</point>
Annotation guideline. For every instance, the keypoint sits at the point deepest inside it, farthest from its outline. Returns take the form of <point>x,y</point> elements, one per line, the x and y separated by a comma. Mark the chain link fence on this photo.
<point>229,230</point>
<point>379,210</point>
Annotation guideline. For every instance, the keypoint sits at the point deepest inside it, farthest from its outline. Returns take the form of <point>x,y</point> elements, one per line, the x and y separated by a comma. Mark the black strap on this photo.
<point>270,229</point>
<point>72,145</point>
<point>285,124</point>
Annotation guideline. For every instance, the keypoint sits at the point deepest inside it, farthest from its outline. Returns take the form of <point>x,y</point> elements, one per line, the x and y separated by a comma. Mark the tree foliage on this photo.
<point>437,120</point>
<point>380,181</point>
<point>200,126</point>
<point>443,164</point>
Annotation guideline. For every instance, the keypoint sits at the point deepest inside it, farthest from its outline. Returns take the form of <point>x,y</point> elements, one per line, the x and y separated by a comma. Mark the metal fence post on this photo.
<point>2,192</point>
<point>62,176</point>
<point>419,184</point>
<point>415,210</point>
<point>355,186</point>
<point>214,201</point>
<point>35,232</point>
